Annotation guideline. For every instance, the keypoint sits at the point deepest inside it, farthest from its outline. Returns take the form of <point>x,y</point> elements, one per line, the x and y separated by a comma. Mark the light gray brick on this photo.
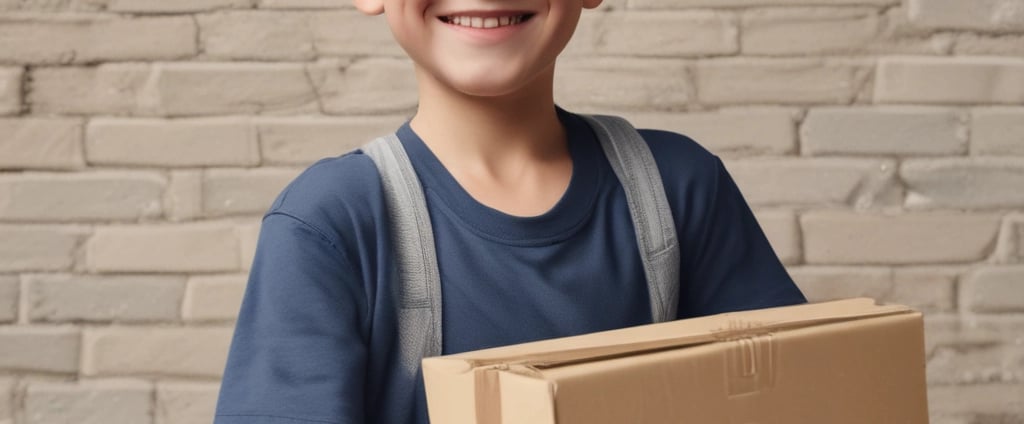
<point>39,248</point>
<point>976,350</point>
<point>39,349</point>
<point>183,199</point>
<point>91,402</point>
<point>213,298</point>
<point>7,405</point>
<point>784,31</point>
<point>256,35</point>
<point>783,232</point>
<point>930,289</point>
<point>174,89</point>
<point>48,38</point>
<point>964,183</point>
<point>303,140</point>
<point>93,196</point>
<point>178,6</point>
<point>824,283</point>
<point>248,235</point>
<point>51,143</point>
<point>305,4</point>
<point>111,88</point>
<point>19,5</point>
<point>684,4</point>
<point>185,402</point>
<point>189,89</point>
<point>997,131</point>
<point>836,237</point>
<point>666,33</point>
<point>729,132</point>
<point>861,183</point>
<point>351,33</point>
<point>961,80</point>
<point>641,84</point>
<point>1010,246</point>
<point>1020,240</point>
<point>179,352</point>
<point>995,290</point>
<point>884,131</point>
<point>240,192</point>
<point>9,291</point>
<point>174,143</point>
<point>977,404</point>
<point>369,86</point>
<point>970,43</point>
<point>925,289</point>
<point>978,15</point>
<point>202,247</point>
<point>10,90</point>
<point>779,81</point>
<point>93,298</point>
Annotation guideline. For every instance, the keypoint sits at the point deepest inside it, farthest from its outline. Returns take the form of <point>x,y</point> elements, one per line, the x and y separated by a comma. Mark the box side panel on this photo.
<point>864,371</point>
<point>526,400</point>
<point>450,391</point>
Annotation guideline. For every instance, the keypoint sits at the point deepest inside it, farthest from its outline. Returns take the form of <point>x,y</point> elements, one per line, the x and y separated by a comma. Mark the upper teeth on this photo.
<point>479,22</point>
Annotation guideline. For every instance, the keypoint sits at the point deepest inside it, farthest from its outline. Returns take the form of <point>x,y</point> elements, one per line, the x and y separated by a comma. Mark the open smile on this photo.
<point>486,22</point>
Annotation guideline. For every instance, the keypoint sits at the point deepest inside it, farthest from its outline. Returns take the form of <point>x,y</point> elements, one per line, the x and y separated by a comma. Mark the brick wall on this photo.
<point>881,143</point>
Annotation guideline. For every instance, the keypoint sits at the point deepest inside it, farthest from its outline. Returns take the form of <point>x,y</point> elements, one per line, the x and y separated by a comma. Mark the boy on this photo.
<point>531,226</point>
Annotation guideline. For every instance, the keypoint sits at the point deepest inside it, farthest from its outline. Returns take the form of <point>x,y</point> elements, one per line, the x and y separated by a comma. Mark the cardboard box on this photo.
<point>848,361</point>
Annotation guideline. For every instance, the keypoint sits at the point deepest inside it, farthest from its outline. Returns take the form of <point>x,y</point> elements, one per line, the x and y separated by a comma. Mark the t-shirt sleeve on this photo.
<point>298,353</point>
<point>729,264</point>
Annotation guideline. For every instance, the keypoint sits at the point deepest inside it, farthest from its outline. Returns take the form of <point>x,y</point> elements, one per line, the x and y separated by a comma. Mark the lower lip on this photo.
<point>488,35</point>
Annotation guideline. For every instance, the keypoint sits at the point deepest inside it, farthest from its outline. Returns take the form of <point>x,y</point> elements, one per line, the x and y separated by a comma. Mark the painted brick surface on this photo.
<point>48,39</point>
<point>730,132</point>
<point>180,352</point>
<point>861,183</point>
<point>172,143</point>
<point>964,183</point>
<point>99,196</point>
<point>880,144</point>
<point>213,298</point>
<point>11,90</point>
<point>48,143</point>
<point>184,403</point>
<point>89,403</point>
<point>849,238</point>
<point>997,131</point>
<point>108,298</point>
<point>39,247</point>
<point>779,81</point>
<point>9,288</point>
<point>163,248</point>
<point>884,131</point>
<point>39,349</point>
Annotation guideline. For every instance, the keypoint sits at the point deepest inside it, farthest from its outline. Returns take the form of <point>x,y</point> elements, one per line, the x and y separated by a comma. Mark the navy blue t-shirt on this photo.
<point>316,337</point>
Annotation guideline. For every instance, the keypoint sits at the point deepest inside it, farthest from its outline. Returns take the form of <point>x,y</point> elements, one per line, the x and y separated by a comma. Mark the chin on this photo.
<point>490,83</point>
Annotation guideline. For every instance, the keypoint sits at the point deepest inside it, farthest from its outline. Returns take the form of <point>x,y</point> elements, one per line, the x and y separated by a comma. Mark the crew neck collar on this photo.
<point>566,217</point>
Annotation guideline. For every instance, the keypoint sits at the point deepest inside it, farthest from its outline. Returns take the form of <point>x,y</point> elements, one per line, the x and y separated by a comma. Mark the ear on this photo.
<point>376,7</point>
<point>588,4</point>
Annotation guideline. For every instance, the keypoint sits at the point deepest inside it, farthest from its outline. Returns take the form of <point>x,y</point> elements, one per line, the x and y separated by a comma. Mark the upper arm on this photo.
<point>299,348</point>
<point>731,265</point>
<point>726,261</point>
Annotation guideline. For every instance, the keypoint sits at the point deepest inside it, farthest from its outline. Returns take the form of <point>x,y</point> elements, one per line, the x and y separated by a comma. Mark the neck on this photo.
<point>489,131</point>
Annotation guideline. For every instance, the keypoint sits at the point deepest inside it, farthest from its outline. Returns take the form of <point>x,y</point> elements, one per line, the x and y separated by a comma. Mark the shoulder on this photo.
<point>681,159</point>
<point>336,196</point>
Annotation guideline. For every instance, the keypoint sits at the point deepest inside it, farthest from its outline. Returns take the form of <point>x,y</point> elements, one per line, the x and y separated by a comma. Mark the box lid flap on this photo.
<point>669,335</point>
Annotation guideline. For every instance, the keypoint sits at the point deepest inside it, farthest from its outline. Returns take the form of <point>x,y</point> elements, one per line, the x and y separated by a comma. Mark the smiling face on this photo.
<point>482,47</point>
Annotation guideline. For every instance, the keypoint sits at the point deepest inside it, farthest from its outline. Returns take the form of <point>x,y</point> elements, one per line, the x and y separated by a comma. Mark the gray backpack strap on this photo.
<point>633,163</point>
<point>419,285</point>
